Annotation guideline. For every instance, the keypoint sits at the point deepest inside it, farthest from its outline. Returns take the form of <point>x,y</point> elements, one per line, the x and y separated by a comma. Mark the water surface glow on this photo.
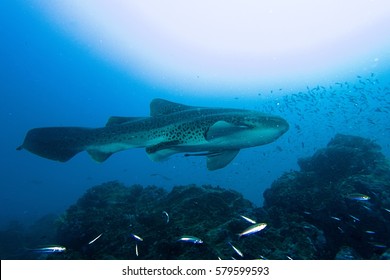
<point>230,46</point>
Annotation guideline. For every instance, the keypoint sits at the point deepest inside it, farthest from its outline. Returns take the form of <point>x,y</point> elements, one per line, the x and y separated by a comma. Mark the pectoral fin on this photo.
<point>219,160</point>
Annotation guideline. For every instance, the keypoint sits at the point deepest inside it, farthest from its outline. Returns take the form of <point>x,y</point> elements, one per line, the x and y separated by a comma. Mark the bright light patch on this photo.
<point>225,46</point>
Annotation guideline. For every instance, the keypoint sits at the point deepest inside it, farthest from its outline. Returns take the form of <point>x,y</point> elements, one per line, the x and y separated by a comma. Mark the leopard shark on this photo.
<point>215,133</point>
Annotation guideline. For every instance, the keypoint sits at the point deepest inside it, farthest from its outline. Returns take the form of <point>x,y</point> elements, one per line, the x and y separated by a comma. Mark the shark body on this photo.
<point>217,133</point>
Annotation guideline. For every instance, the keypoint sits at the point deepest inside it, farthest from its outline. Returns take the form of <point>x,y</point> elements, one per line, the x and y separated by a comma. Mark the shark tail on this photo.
<point>56,143</point>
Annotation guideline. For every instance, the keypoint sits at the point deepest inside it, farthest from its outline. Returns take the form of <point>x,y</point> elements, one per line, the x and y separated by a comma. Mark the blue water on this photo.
<point>47,79</point>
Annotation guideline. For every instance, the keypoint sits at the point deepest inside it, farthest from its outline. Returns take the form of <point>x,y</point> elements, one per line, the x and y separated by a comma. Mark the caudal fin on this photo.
<point>56,143</point>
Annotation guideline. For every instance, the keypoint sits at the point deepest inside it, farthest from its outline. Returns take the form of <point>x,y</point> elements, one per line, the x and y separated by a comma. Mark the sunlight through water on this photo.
<point>229,46</point>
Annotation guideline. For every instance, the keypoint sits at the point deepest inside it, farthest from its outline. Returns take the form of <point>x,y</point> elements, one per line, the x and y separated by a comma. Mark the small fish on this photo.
<point>96,238</point>
<point>253,229</point>
<point>290,258</point>
<point>340,229</point>
<point>370,232</point>
<point>136,249</point>
<point>166,215</point>
<point>355,219</point>
<point>248,219</point>
<point>378,245</point>
<point>387,210</point>
<point>367,208</point>
<point>358,197</point>
<point>49,249</point>
<point>136,237</point>
<point>236,250</point>
<point>335,218</point>
<point>190,239</point>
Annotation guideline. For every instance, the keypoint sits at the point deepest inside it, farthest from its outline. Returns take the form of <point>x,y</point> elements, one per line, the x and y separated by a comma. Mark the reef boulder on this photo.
<point>118,215</point>
<point>344,191</point>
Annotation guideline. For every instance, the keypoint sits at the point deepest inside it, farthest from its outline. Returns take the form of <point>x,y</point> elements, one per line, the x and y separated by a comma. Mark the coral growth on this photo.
<point>343,191</point>
<point>336,207</point>
<point>159,218</point>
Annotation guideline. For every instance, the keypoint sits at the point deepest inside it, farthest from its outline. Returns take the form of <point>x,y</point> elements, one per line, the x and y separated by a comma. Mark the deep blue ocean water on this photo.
<point>48,79</point>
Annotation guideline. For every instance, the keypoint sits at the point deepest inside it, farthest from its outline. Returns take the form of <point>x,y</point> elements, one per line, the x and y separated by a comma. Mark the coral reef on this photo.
<point>343,191</point>
<point>337,206</point>
<point>155,216</point>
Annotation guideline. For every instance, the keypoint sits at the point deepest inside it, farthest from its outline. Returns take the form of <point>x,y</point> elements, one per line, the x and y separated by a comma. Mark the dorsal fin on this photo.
<point>160,107</point>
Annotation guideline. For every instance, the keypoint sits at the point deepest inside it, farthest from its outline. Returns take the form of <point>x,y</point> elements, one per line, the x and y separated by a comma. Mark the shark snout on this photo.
<point>283,125</point>
<point>277,123</point>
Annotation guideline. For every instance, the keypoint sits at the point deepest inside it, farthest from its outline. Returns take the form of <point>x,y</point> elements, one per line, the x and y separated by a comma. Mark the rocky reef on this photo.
<point>146,223</point>
<point>336,207</point>
<point>339,201</point>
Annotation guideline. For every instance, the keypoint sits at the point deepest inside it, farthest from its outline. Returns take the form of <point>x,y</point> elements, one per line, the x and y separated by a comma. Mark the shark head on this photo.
<point>264,129</point>
<point>247,129</point>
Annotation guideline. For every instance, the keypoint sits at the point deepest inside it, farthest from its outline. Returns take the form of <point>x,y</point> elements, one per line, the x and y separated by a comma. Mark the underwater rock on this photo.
<point>347,253</point>
<point>344,155</point>
<point>115,221</point>
<point>385,255</point>
<point>336,207</point>
<point>344,191</point>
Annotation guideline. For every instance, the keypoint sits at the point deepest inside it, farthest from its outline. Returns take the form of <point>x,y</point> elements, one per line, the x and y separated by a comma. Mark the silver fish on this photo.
<point>378,245</point>
<point>49,249</point>
<point>190,239</point>
<point>236,250</point>
<point>248,219</point>
<point>358,197</point>
<point>253,229</point>
<point>355,219</point>
<point>136,237</point>
<point>166,215</point>
<point>96,238</point>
